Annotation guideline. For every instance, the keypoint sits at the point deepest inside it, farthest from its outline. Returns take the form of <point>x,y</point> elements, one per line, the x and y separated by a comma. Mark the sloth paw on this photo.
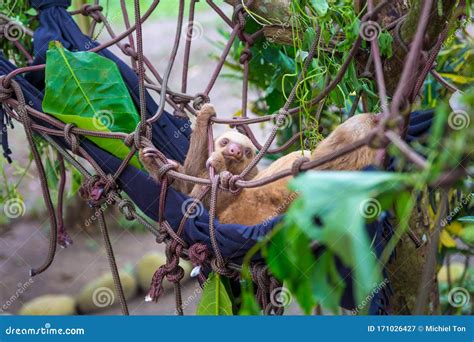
<point>207,111</point>
<point>147,156</point>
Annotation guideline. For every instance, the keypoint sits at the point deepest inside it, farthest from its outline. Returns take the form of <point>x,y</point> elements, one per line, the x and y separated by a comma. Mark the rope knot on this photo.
<point>71,138</point>
<point>6,90</point>
<point>228,182</point>
<point>127,208</point>
<point>198,253</point>
<point>283,118</point>
<point>245,56</point>
<point>297,164</point>
<point>199,100</point>
<point>175,275</point>
<point>143,131</point>
<point>91,10</point>
<point>221,269</point>
<point>93,190</point>
<point>128,50</point>
<point>165,168</point>
<point>238,15</point>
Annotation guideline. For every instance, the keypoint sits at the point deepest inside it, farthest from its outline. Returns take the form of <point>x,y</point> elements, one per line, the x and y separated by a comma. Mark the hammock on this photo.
<point>233,240</point>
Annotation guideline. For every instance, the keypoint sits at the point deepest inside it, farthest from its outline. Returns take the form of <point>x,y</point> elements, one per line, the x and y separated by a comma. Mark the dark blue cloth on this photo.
<point>234,240</point>
<point>170,133</point>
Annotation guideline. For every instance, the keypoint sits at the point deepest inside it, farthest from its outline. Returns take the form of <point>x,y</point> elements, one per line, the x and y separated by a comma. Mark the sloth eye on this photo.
<point>248,152</point>
<point>224,141</point>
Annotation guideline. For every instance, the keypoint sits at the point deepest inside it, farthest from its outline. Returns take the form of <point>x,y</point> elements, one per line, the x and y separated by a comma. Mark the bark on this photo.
<point>405,270</point>
<point>275,11</point>
<point>278,17</point>
<point>438,21</point>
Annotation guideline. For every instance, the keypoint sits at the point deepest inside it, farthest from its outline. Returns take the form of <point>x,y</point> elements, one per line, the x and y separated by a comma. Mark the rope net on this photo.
<point>102,187</point>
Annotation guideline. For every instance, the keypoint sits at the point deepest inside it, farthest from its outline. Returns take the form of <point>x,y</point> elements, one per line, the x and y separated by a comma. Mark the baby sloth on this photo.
<point>233,152</point>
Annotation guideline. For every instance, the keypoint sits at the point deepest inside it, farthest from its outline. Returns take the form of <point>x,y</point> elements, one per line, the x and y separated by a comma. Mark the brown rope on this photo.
<point>105,186</point>
<point>112,262</point>
<point>26,121</point>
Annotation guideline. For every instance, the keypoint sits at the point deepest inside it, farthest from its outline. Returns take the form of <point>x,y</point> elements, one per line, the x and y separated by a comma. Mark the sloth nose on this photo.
<point>235,150</point>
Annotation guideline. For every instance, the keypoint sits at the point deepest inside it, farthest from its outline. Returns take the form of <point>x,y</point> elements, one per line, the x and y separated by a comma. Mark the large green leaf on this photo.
<point>215,300</point>
<point>87,89</point>
<point>332,210</point>
<point>290,258</point>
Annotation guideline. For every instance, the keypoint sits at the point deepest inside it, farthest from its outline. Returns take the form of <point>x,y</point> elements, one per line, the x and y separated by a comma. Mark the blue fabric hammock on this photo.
<point>56,24</point>
<point>234,240</point>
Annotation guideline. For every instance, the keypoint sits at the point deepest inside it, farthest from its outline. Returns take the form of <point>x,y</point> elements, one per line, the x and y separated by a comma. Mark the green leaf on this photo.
<point>385,42</point>
<point>467,235</point>
<point>87,90</point>
<point>336,217</point>
<point>215,300</point>
<point>249,305</point>
<point>290,259</point>
<point>321,7</point>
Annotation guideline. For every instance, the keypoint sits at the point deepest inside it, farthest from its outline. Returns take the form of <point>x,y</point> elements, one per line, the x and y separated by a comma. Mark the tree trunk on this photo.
<point>406,269</point>
<point>438,21</point>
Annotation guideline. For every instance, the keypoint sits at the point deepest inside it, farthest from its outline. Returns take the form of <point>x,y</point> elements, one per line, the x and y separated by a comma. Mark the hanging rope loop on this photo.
<point>127,208</point>
<point>199,100</point>
<point>297,164</point>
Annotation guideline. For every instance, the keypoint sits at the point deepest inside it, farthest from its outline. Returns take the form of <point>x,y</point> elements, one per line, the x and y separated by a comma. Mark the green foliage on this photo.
<point>278,66</point>
<point>215,300</point>
<point>97,98</point>
<point>23,16</point>
<point>336,218</point>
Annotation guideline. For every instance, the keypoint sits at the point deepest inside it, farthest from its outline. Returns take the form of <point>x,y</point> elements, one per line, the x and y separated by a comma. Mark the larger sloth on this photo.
<point>234,151</point>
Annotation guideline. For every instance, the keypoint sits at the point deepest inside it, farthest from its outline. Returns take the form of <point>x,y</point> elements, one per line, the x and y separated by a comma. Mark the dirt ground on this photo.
<point>24,241</point>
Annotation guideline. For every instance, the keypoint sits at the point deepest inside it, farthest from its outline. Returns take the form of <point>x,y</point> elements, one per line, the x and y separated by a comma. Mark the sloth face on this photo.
<point>236,149</point>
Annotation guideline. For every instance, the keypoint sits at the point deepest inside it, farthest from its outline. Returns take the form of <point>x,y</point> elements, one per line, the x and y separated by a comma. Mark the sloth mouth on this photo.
<point>231,157</point>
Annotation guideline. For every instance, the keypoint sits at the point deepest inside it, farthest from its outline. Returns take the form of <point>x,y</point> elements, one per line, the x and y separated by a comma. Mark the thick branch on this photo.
<point>273,11</point>
<point>393,66</point>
